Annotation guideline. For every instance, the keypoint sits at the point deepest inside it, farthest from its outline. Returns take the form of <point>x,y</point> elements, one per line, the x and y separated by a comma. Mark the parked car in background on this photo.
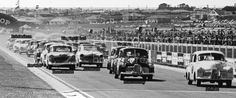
<point>209,66</point>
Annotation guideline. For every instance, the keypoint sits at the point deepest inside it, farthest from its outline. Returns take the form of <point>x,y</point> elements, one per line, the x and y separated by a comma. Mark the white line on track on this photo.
<point>56,83</point>
<point>163,91</point>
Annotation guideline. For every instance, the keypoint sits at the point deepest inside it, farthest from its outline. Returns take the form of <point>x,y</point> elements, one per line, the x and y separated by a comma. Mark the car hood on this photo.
<point>61,54</point>
<point>213,64</point>
<point>91,53</point>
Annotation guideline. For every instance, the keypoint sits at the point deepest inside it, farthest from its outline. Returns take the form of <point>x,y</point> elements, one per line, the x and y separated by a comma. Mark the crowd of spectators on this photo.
<point>204,35</point>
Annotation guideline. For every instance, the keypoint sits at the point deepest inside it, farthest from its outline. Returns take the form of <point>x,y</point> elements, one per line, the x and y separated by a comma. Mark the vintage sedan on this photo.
<point>209,66</point>
<point>20,45</point>
<point>10,43</point>
<point>31,47</point>
<point>112,58</point>
<point>60,55</point>
<point>89,55</point>
<point>135,62</point>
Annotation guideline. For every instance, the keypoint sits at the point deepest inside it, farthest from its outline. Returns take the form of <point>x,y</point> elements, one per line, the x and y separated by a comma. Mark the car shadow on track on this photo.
<point>62,71</point>
<point>140,81</point>
<point>214,85</point>
<point>88,69</point>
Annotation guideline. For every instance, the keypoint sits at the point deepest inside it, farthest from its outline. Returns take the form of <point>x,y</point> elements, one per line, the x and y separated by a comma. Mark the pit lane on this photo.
<point>167,82</point>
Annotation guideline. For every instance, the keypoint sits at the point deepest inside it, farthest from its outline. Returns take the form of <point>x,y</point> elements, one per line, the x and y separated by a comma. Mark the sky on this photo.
<point>115,3</point>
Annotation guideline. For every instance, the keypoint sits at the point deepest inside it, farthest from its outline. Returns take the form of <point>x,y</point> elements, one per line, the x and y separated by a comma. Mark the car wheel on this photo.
<point>109,66</point>
<point>229,83</point>
<point>144,77</point>
<point>49,67</point>
<point>122,77</point>
<point>220,83</point>
<point>190,82</point>
<point>28,55</point>
<point>199,82</point>
<point>110,71</point>
<point>79,64</point>
<point>100,65</point>
<point>150,77</point>
<point>116,76</point>
<point>72,67</point>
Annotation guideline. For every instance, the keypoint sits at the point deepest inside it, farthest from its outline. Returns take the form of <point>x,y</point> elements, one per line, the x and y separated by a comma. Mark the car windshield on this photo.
<point>90,48</point>
<point>211,56</point>
<point>62,49</point>
<point>25,41</point>
<point>136,53</point>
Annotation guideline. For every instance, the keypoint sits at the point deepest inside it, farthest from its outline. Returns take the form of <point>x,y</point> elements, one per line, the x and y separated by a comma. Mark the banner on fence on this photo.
<point>164,56</point>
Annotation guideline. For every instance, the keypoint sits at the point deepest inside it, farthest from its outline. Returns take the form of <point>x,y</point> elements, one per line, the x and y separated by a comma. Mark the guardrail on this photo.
<point>176,54</point>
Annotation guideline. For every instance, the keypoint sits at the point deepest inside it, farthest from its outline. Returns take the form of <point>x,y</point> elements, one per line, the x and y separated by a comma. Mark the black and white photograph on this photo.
<point>117,49</point>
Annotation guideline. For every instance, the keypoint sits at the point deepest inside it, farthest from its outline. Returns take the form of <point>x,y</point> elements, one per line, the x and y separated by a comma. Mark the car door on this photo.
<point>192,65</point>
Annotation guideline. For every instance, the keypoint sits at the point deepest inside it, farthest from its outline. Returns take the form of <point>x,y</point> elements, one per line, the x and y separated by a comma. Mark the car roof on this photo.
<point>133,48</point>
<point>211,51</point>
<point>59,45</point>
<point>118,47</point>
<point>22,39</point>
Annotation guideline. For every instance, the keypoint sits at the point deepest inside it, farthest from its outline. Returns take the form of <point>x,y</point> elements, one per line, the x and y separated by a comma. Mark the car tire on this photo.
<point>122,77</point>
<point>28,55</point>
<point>110,71</point>
<point>220,83</point>
<point>190,82</point>
<point>49,67</point>
<point>229,83</point>
<point>108,66</point>
<point>116,76</point>
<point>150,77</point>
<point>199,82</point>
<point>144,77</point>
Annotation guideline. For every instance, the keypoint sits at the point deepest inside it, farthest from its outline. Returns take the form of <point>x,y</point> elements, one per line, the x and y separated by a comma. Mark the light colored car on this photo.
<point>20,45</point>
<point>44,52</point>
<point>89,55</point>
<point>10,43</point>
<point>133,61</point>
<point>209,66</point>
<point>60,55</point>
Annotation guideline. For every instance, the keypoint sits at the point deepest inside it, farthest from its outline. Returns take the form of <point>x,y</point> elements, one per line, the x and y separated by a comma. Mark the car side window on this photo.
<point>112,52</point>
<point>194,58</point>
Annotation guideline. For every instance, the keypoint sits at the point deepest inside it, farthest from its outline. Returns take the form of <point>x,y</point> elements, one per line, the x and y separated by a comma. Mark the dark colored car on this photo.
<point>112,58</point>
<point>133,61</point>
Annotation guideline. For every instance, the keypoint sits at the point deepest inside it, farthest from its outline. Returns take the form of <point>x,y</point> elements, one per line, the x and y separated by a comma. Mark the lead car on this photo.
<point>209,66</point>
<point>135,62</point>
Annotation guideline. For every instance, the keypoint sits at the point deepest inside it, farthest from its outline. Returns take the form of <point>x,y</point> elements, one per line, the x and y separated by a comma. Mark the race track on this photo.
<point>167,83</point>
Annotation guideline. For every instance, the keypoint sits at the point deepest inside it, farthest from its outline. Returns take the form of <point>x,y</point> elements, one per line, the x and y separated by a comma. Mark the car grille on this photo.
<point>62,59</point>
<point>137,69</point>
<point>216,74</point>
<point>91,58</point>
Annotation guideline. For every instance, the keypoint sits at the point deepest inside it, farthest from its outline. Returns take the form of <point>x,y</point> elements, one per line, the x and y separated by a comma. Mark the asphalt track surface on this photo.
<point>167,83</point>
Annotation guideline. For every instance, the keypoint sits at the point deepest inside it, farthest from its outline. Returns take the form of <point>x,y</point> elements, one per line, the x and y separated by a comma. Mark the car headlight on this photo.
<point>51,58</point>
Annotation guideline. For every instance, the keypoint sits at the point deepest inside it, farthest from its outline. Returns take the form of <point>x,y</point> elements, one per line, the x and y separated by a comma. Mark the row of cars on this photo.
<point>58,53</point>
<point>123,61</point>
